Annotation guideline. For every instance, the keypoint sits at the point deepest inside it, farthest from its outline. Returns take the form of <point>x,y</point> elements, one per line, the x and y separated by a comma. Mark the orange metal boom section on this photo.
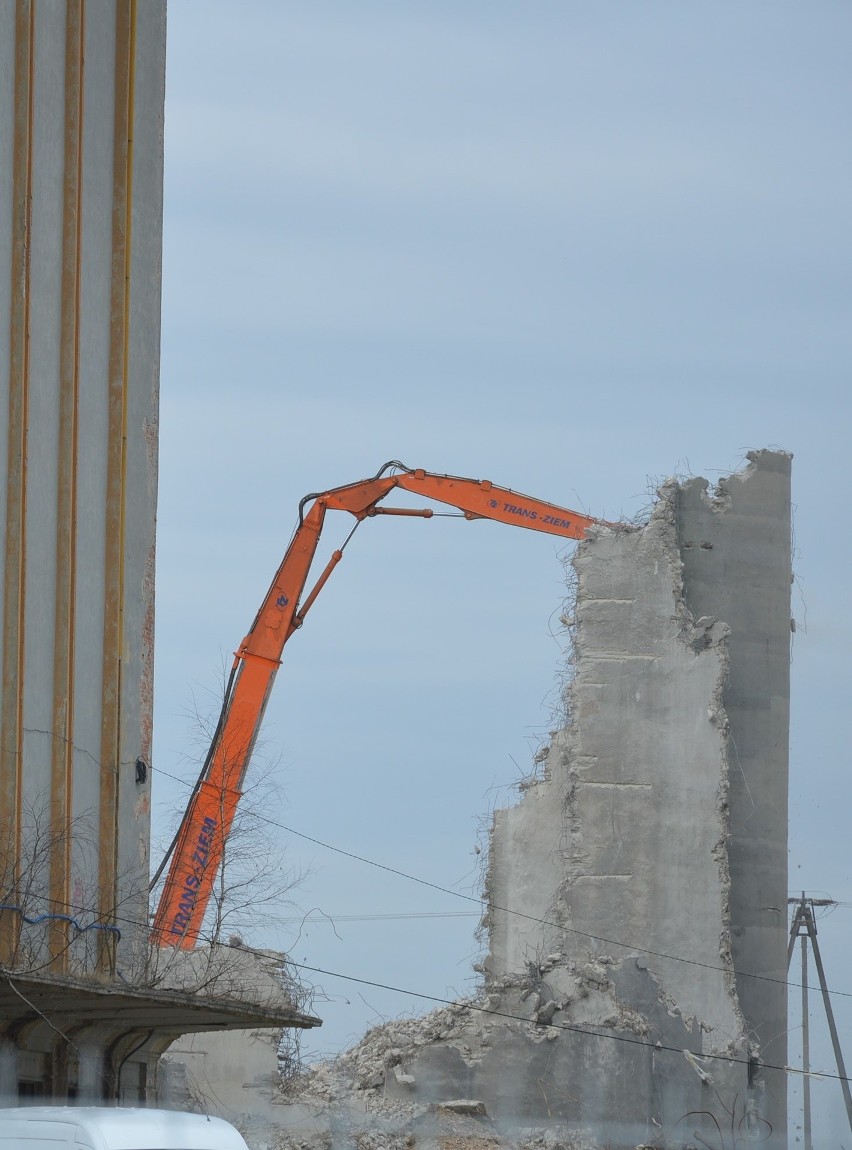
<point>200,842</point>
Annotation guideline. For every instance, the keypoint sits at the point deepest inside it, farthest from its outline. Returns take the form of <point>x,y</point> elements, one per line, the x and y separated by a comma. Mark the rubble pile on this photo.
<point>371,1096</point>
<point>361,1074</point>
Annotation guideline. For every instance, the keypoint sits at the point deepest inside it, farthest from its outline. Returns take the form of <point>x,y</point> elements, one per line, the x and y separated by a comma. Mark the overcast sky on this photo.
<point>572,248</point>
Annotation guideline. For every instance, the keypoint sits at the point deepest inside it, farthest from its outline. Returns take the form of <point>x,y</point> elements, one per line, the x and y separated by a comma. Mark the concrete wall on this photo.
<point>662,820</point>
<point>230,1074</point>
<point>638,784</point>
<point>81,153</point>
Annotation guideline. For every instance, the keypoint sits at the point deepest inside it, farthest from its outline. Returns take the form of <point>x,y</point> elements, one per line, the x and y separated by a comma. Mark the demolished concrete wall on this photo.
<point>630,892</point>
<point>661,819</point>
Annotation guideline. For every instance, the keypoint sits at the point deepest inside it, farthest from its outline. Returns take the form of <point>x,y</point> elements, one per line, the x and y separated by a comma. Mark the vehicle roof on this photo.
<point>136,1128</point>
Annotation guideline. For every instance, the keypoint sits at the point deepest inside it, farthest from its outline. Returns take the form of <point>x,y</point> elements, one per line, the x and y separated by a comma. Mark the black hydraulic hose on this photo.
<point>316,494</point>
<point>204,769</point>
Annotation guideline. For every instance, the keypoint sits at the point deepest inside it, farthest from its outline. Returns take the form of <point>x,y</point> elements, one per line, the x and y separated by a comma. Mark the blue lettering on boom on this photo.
<point>523,512</point>
<point>192,881</point>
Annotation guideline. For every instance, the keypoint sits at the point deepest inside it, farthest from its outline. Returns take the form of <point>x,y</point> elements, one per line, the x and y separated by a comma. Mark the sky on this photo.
<point>571,248</point>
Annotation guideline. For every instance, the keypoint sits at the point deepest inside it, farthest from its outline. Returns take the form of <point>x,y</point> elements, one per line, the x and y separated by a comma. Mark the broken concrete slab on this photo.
<point>466,1106</point>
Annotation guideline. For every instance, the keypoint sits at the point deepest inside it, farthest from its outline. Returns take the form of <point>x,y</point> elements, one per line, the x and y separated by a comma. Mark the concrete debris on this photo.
<point>544,1013</point>
<point>253,976</point>
<point>462,1106</point>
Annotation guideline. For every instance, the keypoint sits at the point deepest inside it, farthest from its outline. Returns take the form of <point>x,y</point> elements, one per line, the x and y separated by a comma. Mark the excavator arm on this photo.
<point>198,846</point>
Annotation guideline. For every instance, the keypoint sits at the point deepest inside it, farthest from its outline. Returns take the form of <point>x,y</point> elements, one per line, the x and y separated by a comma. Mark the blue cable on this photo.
<point>35,921</point>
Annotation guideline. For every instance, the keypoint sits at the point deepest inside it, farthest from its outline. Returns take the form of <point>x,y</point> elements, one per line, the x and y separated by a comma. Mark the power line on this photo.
<point>630,947</point>
<point>557,1025</point>
<point>471,1006</point>
<point>326,918</point>
<point>495,906</point>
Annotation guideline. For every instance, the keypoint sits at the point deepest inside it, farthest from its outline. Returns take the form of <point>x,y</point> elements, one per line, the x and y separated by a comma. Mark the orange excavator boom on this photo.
<point>198,846</point>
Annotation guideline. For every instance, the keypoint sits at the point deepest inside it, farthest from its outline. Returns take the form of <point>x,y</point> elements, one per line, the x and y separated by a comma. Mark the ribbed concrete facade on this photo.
<point>81,154</point>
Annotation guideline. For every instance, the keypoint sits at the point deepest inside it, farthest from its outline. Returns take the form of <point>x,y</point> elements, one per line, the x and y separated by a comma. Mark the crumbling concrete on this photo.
<point>630,892</point>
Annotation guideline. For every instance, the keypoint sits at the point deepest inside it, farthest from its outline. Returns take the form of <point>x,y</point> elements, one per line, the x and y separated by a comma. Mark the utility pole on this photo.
<point>806,1046</point>
<point>804,926</point>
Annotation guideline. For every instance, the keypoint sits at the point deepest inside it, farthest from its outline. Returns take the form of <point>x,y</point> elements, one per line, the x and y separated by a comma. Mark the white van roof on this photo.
<point>123,1128</point>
